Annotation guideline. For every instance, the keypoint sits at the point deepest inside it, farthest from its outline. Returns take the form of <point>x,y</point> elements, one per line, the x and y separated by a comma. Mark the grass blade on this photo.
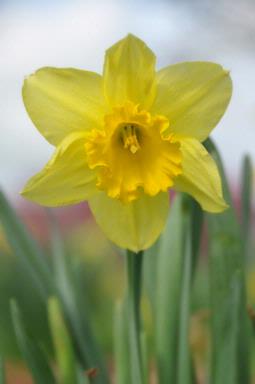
<point>230,346</point>
<point>32,354</point>
<point>196,227</point>
<point>150,266</point>
<point>169,273</point>
<point>121,345</point>
<point>73,304</point>
<point>184,373</point>
<point>246,207</point>
<point>145,357</point>
<point>177,257</point>
<point>170,264</point>
<point>63,346</point>
<point>25,248</point>
<point>2,371</point>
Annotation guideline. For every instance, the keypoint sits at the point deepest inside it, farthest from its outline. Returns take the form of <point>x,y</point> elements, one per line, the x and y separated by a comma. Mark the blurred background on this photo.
<point>76,33</point>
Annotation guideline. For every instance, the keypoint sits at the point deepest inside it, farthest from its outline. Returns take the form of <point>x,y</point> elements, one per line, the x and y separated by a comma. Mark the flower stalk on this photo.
<point>134,279</point>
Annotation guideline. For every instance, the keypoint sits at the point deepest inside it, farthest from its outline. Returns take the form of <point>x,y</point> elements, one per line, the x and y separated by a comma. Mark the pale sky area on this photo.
<point>76,34</point>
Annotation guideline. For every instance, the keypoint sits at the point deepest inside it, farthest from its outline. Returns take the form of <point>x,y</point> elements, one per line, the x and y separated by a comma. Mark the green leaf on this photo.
<point>73,302</point>
<point>169,276</point>
<point>251,312</point>
<point>229,321</point>
<point>2,371</point>
<point>63,346</point>
<point>196,223</point>
<point>82,378</point>
<point>246,206</point>
<point>121,344</point>
<point>177,257</point>
<point>25,248</point>
<point>184,367</point>
<point>150,266</point>
<point>32,354</point>
<point>145,357</point>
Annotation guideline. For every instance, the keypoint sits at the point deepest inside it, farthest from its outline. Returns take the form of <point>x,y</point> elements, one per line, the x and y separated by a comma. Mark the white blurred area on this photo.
<point>76,33</point>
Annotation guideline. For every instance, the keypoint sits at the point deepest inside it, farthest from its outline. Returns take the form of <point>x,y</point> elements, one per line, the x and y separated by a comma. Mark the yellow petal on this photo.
<point>135,225</point>
<point>200,177</point>
<point>62,100</point>
<point>66,178</point>
<point>194,96</point>
<point>129,73</point>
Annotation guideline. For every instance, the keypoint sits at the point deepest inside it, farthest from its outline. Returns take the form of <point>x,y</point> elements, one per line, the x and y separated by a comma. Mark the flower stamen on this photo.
<point>130,138</point>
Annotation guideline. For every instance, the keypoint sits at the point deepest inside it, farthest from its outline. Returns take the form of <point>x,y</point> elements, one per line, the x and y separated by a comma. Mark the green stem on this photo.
<point>134,272</point>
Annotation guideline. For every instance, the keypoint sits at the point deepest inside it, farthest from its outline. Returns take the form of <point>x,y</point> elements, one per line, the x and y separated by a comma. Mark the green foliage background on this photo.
<point>66,312</point>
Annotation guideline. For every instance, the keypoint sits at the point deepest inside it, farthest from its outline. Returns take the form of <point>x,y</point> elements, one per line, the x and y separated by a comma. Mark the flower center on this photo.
<point>130,137</point>
<point>133,153</point>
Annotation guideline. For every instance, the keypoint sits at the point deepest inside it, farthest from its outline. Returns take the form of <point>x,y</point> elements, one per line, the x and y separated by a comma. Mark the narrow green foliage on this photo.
<point>61,282</point>
<point>145,357</point>
<point>65,357</point>
<point>169,274</point>
<point>176,264</point>
<point>196,227</point>
<point>251,312</point>
<point>32,354</point>
<point>26,249</point>
<point>121,344</point>
<point>184,369</point>
<point>246,206</point>
<point>134,269</point>
<point>230,348</point>
<point>150,266</point>
<point>2,371</point>
<point>82,378</point>
<point>77,320</point>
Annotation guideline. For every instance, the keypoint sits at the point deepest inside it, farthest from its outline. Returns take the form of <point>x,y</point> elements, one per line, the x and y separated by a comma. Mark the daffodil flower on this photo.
<point>125,138</point>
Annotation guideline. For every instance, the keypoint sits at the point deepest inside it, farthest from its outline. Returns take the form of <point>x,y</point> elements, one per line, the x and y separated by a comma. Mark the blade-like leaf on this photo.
<point>2,371</point>
<point>63,346</point>
<point>25,248</point>
<point>230,346</point>
<point>196,222</point>
<point>246,206</point>
<point>184,368</point>
<point>121,345</point>
<point>169,275</point>
<point>81,377</point>
<point>150,266</point>
<point>32,354</point>
<point>251,312</point>
<point>173,289</point>
<point>177,257</point>
<point>72,301</point>
<point>145,357</point>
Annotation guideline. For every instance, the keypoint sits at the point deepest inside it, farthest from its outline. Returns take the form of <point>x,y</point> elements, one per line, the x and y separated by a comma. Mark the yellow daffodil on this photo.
<point>125,138</point>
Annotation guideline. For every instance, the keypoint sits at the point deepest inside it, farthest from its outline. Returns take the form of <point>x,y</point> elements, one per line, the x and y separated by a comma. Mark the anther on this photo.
<point>129,136</point>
